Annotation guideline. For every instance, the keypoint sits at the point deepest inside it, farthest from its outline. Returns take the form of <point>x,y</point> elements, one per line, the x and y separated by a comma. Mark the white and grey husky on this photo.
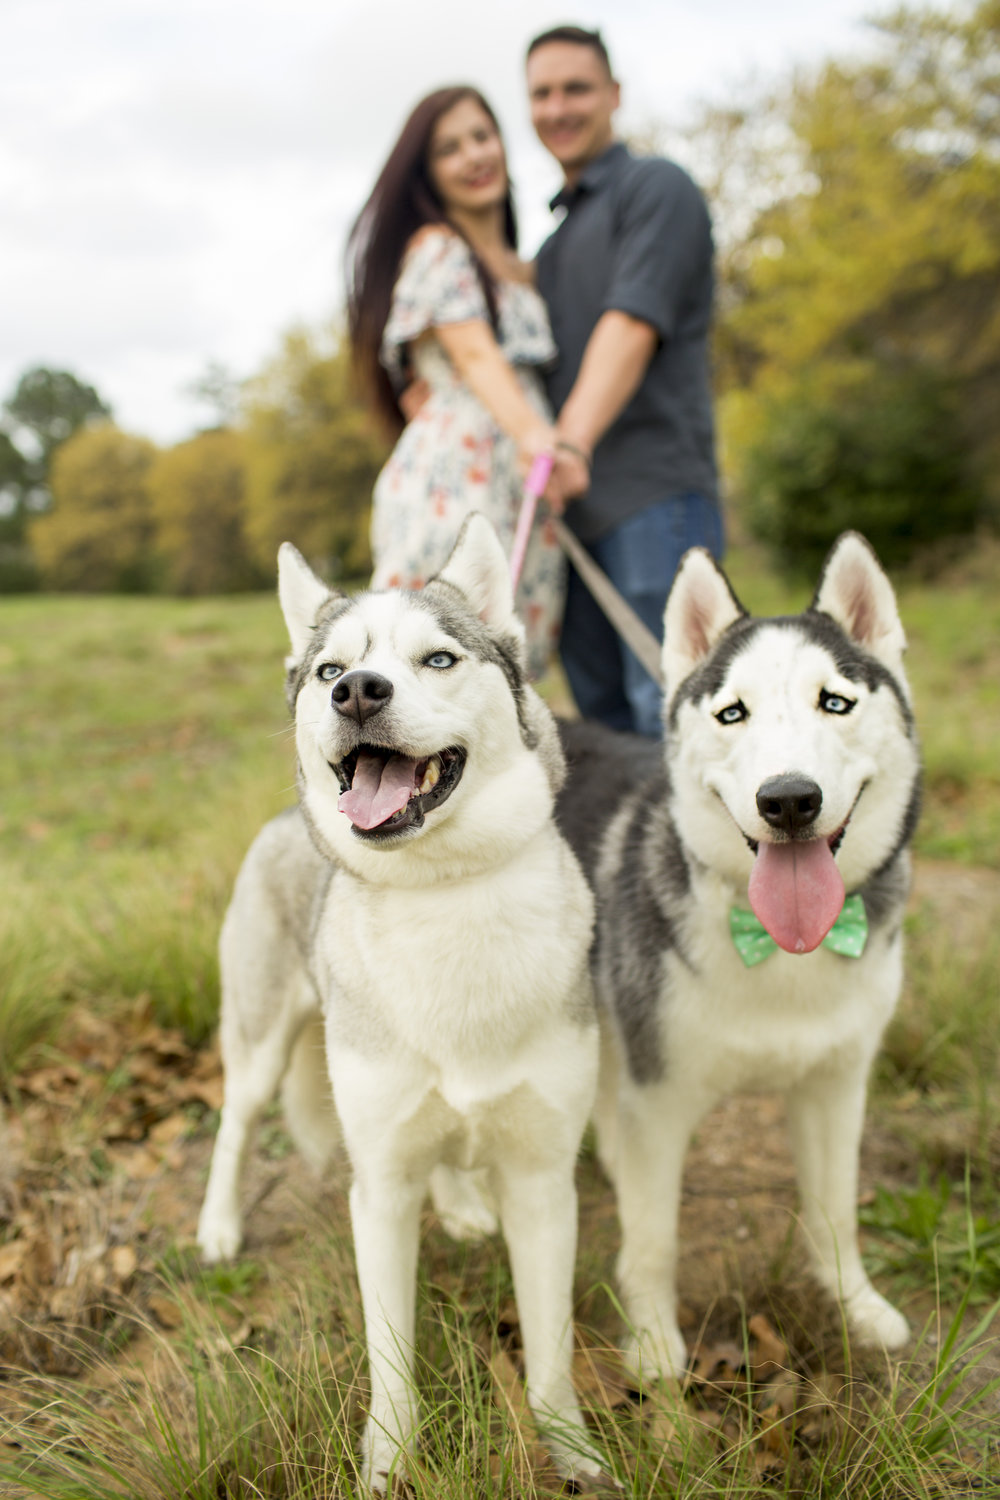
<point>422,910</point>
<point>727,956</point>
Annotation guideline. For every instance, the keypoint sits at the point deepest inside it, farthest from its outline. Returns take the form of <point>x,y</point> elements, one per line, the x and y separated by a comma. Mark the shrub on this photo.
<point>882,454</point>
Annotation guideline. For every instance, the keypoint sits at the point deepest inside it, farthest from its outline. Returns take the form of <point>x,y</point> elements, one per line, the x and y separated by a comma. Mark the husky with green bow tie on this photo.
<point>750,885</point>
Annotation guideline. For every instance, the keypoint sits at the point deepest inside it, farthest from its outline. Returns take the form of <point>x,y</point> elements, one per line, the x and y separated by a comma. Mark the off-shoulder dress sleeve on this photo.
<point>437,284</point>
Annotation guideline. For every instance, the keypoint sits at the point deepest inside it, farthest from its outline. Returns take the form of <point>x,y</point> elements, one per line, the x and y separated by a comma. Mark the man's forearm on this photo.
<point>615,360</point>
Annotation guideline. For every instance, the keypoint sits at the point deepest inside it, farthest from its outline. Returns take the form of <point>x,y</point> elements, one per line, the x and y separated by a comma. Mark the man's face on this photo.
<point>573,99</point>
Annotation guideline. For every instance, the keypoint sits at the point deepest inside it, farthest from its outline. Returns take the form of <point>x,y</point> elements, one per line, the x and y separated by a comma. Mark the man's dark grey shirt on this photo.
<point>636,238</point>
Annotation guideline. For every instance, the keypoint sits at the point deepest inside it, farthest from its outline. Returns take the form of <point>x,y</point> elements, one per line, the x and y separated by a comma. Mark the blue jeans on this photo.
<point>640,557</point>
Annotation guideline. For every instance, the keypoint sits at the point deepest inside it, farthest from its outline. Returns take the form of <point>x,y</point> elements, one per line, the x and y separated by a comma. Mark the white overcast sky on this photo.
<point>177,176</point>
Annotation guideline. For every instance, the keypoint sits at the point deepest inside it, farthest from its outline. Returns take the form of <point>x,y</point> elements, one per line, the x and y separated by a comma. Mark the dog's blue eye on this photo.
<point>440,660</point>
<point>733,713</point>
<point>329,671</point>
<point>835,703</point>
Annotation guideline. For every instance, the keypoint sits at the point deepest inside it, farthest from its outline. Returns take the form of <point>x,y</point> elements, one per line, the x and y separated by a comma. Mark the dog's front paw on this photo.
<point>662,1356</point>
<point>580,1463</point>
<point>383,1471</point>
<point>874,1320</point>
<point>218,1238</point>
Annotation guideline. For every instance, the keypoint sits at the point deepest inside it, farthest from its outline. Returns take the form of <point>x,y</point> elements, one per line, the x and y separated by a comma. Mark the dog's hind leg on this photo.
<point>825,1117</point>
<point>463,1202</point>
<point>606,1102</point>
<point>307,1099</point>
<point>254,1069</point>
<point>266,1000</point>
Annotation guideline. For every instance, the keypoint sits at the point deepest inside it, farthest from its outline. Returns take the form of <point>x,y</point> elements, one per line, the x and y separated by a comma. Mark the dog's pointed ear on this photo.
<point>479,569</point>
<point>701,606</point>
<point>854,591</point>
<point>301,595</point>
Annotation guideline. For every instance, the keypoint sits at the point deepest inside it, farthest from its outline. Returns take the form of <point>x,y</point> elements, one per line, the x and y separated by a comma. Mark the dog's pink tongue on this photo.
<point>797,892</point>
<point>380,788</point>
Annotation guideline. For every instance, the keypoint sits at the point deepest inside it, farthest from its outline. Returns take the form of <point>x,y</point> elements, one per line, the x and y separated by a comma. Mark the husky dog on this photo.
<point>727,957</point>
<point>421,909</point>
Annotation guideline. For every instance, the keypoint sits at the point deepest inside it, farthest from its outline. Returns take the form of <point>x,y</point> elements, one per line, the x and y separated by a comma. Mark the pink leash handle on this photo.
<point>534,488</point>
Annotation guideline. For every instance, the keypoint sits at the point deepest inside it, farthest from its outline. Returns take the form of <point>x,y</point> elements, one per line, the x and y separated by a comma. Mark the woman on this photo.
<point>437,294</point>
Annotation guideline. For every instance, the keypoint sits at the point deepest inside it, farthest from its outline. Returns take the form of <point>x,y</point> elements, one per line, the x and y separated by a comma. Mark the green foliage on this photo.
<point>877,249</point>
<point>99,533</point>
<point>52,405</point>
<point>46,408</point>
<point>197,497</point>
<point>883,453</point>
<point>925,1236</point>
<point>312,458</point>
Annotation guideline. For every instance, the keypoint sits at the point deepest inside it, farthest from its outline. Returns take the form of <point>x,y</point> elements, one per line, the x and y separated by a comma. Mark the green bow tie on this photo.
<point>754,943</point>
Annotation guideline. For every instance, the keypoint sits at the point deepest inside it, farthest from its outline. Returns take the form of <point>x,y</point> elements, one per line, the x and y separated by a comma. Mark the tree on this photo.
<point>17,569</point>
<point>51,405</point>
<point>220,390</point>
<point>876,261</point>
<point>46,407</point>
<point>197,495</point>
<point>312,458</point>
<point>98,535</point>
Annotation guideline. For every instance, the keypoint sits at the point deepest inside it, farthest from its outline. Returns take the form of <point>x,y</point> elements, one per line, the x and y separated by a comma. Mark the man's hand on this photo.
<point>570,478</point>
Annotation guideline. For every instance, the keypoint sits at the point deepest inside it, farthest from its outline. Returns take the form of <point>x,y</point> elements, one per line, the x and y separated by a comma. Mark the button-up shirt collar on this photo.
<point>590,178</point>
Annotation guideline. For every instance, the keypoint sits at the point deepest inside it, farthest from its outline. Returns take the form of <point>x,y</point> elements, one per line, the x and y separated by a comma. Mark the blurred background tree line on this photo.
<point>857,357</point>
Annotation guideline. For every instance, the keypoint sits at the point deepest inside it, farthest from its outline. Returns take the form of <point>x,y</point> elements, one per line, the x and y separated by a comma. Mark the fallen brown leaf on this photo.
<point>601,1377</point>
<point>165,1310</point>
<point>768,1352</point>
<point>11,1259</point>
<point>722,1366</point>
<point>123,1262</point>
<point>768,1466</point>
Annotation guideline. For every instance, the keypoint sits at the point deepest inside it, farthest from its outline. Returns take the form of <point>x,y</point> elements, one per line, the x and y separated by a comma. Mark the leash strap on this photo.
<point>534,488</point>
<point>633,631</point>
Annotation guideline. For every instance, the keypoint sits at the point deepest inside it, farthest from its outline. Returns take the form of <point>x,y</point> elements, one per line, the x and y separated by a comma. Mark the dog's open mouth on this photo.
<point>384,792</point>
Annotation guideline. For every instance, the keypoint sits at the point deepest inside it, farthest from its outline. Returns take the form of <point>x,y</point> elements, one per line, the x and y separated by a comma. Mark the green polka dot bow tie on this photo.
<point>754,943</point>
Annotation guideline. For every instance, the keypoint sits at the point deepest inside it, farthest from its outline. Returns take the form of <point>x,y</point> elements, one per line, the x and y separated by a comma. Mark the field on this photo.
<point>146,740</point>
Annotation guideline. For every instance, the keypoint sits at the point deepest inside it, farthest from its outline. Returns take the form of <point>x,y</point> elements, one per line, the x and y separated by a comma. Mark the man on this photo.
<point>627,277</point>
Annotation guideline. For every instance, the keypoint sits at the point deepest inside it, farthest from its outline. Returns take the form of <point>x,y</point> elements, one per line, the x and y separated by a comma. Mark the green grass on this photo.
<point>929,1236</point>
<point>147,742</point>
<point>273,1411</point>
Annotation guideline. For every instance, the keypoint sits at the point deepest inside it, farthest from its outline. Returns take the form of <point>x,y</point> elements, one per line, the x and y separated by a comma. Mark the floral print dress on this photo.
<point>452,458</point>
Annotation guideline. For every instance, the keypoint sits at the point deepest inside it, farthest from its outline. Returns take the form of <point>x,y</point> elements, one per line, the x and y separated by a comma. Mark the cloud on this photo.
<point>177,176</point>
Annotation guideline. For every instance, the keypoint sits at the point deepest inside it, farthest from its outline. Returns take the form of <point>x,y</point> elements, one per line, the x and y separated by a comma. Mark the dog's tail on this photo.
<point>307,1099</point>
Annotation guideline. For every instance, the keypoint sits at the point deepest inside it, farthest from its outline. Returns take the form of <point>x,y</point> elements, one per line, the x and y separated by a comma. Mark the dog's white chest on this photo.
<point>463,974</point>
<point>768,1027</point>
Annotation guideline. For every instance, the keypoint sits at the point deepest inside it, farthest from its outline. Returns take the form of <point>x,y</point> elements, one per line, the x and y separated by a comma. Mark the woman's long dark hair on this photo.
<point>402,201</point>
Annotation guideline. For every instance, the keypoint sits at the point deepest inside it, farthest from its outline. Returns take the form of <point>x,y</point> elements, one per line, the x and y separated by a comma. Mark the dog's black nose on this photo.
<point>360,695</point>
<point>789,802</point>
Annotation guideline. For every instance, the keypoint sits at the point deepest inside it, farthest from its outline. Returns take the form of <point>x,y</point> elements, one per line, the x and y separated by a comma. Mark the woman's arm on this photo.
<point>480,363</point>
